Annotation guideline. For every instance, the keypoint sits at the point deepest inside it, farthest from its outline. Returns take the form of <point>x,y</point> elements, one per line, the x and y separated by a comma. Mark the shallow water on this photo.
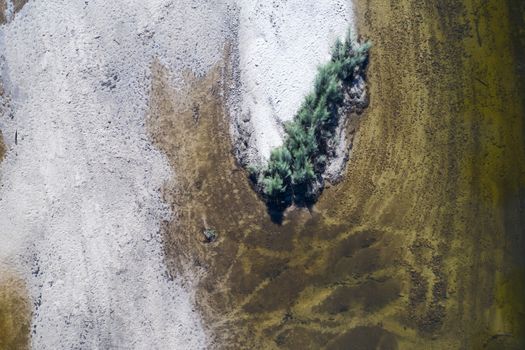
<point>14,313</point>
<point>421,245</point>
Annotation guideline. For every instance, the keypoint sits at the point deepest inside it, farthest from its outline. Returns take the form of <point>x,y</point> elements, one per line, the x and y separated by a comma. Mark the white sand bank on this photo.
<point>281,44</point>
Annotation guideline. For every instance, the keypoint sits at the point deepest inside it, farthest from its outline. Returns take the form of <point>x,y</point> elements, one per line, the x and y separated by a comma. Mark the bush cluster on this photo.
<point>294,170</point>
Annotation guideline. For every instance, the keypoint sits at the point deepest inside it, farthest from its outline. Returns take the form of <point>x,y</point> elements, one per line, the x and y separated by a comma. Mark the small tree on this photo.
<point>273,186</point>
<point>295,168</point>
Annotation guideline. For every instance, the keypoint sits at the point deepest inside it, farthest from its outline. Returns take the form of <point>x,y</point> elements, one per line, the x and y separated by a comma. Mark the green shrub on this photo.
<point>294,168</point>
<point>273,185</point>
<point>280,163</point>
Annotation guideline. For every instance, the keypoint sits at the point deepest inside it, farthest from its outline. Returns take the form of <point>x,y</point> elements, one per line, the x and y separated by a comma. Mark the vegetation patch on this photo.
<point>294,172</point>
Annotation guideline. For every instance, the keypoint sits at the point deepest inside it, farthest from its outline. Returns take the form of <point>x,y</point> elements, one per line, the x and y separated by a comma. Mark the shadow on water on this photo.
<point>276,212</point>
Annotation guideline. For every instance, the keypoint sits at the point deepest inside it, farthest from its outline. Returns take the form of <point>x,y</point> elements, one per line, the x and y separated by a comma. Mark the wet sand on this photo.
<point>420,246</point>
<point>3,7</point>
<point>17,6</point>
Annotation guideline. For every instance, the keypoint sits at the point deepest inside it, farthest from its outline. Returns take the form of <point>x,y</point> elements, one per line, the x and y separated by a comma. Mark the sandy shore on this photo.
<point>421,244</point>
<point>80,205</point>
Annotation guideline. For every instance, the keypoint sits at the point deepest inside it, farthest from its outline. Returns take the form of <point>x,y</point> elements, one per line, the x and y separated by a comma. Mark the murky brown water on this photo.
<point>421,246</point>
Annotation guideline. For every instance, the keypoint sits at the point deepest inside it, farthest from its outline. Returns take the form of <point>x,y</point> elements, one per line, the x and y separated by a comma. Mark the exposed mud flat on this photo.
<point>420,246</point>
